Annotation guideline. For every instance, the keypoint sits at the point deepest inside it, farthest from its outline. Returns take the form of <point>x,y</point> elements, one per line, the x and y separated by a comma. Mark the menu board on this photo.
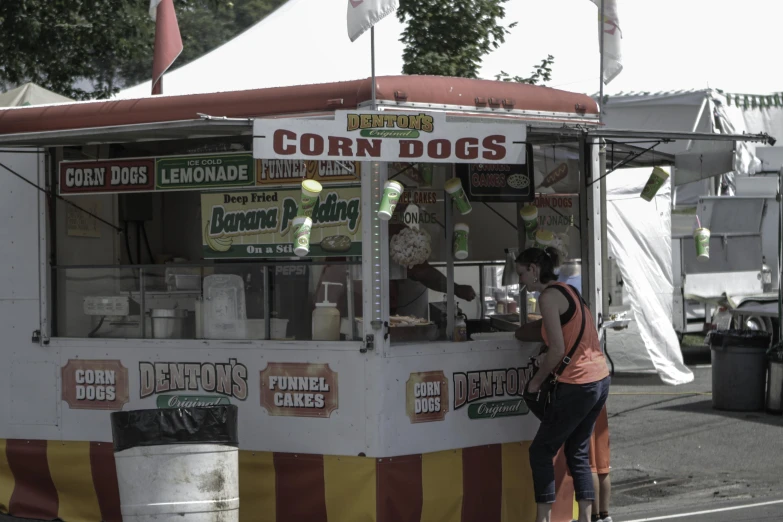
<point>497,183</point>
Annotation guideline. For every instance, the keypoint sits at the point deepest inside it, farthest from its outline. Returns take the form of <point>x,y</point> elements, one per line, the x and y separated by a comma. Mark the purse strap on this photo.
<point>567,359</point>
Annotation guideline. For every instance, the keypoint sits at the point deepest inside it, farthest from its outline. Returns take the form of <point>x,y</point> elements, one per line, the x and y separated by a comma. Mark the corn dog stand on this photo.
<point>174,270</point>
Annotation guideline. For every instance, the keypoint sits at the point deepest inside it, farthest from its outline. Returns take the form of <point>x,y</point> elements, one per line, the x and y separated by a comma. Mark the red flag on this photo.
<point>168,42</point>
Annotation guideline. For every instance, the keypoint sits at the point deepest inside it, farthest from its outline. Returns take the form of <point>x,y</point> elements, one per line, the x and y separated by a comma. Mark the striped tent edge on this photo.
<point>76,482</point>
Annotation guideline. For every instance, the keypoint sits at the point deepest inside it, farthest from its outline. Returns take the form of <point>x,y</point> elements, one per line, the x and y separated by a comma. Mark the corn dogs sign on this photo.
<point>389,136</point>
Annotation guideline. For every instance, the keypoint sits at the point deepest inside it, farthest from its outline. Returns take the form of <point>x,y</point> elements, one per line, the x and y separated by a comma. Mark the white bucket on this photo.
<point>179,482</point>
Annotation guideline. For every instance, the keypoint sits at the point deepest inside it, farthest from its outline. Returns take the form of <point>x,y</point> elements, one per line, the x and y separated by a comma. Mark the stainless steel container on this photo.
<point>168,323</point>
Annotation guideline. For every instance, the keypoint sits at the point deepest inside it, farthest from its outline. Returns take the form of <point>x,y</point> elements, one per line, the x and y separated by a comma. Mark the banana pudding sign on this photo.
<point>389,136</point>
<point>259,223</point>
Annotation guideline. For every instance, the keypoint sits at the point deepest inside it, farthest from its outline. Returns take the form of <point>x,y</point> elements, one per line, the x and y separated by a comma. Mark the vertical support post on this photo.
<point>375,256</point>
<point>606,267</point>
<point>372,66</point>
<point>590,222</point>
<point>143,299</point>
<point>450,304</point>
<point>267,305</point>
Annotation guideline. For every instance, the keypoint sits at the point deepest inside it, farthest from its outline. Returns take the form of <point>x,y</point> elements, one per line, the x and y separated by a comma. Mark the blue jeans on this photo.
<point>569,420</point>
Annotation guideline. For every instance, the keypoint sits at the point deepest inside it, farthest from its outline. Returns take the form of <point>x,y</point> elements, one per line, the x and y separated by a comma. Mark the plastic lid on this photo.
<point>312,185</point>
<point>544,235</point>
<point>528,210</point>
<point>453,183</point>
<point>396,184</point>
<point>462,226</point>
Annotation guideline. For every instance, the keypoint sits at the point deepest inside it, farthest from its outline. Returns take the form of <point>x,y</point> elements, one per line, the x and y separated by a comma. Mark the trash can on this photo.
<point>739,369</point>
<point>775,386</point>
<point>178,464</point>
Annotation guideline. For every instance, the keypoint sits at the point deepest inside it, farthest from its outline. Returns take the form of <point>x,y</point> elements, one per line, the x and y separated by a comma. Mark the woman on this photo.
<point>582,386</point>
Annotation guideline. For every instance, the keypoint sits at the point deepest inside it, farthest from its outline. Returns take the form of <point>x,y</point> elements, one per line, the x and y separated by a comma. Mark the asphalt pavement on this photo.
<point>674,456</point>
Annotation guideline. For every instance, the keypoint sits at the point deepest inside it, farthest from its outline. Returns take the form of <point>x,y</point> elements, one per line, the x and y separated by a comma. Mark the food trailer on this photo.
<point>154,263</point>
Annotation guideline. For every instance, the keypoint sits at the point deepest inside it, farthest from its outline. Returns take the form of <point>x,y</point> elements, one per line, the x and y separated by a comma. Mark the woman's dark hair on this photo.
<point>547,260</point>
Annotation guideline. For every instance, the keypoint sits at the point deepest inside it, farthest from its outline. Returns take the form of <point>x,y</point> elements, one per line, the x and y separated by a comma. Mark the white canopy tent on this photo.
<point>30,94</point>
<point>640,242</point>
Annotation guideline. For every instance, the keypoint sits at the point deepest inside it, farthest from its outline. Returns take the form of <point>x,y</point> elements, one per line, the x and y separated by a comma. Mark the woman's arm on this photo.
<point>550,315</point>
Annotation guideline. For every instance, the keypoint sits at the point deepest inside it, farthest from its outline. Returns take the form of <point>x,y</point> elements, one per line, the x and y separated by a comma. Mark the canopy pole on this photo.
<point>372,66</point>
<point>780,255</point>
<point>601,73</point>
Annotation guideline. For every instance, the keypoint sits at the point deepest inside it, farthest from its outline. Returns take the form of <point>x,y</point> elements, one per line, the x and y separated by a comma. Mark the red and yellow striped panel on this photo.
<point>76,482</point>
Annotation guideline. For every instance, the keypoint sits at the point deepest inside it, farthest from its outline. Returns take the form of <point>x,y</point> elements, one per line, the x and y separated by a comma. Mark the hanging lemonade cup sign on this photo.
<point>302,227</point>
<point>702,238</point>
<point>311,189</point>
<point>460,249</point>
<point>454,188</point>
<point>657,178</point>
<point>391,196</point>
<point>529,214</point>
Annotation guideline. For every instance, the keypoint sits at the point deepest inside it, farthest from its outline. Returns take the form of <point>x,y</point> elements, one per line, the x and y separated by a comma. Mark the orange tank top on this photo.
<point>588,363</point>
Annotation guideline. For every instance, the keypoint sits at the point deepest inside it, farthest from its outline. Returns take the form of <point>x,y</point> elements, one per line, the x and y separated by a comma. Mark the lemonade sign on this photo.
<point>259,224</point>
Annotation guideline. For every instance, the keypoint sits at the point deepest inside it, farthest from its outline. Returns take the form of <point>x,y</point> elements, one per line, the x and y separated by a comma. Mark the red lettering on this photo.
<point>279,142</point>
<point>467,148</point>
<point>439,149</point>
<point>339,146</point>
<point>311,144</point>
<point>370,148</point>
<point>411,149</point>
<point>495,149</point>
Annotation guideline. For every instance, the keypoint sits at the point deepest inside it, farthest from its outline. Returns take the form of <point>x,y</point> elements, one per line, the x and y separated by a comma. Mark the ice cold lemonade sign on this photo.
<point>299,389</point>
<point>94,384</point>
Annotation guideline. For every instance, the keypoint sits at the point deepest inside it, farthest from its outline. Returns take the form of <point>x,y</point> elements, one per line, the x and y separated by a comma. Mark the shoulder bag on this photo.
<point>539,401</point>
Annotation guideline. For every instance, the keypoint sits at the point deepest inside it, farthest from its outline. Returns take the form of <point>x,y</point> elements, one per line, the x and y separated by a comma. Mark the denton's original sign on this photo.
<point>389,136</point>
<point>184,379</point>
<point>259,223</point>
<point>427,397</point>
<point>286,172</point>
<point>94,384</point>
<point>85,177</point>
<point>492,393</point>
<point>299,389</point>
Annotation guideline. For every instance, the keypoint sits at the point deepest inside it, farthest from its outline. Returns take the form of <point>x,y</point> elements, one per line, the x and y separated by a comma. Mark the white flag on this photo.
<point>363,14</point>
<point>609,27</point>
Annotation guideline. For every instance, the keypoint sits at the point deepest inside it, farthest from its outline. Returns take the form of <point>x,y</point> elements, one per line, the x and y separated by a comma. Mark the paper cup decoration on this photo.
<point>301,231</point>
<point>392,191</point>
<point>311,189</point>
<point>454,188</point>
<point>461,231</point>
<point>529,214</point>
<point>702,238</point>
<point>657,178</point>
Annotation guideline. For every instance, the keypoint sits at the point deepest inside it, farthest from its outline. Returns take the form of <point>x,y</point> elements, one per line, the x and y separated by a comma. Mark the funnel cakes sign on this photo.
<point>389,136</point>
<point>299,389</point>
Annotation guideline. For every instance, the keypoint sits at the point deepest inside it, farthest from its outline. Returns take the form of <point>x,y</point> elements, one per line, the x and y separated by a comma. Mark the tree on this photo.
<point>56,44</point>
<point>91,48</point>
<point>542,73</point>
<point>450,37</point>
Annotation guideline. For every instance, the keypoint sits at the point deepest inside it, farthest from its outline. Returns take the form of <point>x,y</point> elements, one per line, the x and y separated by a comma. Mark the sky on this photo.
<point>667,44</point>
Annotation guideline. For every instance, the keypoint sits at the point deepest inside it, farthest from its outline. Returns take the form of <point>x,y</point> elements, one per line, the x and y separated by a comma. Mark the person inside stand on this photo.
<point>583,385</point>
<point>599,465</point>
<point>406,297</point>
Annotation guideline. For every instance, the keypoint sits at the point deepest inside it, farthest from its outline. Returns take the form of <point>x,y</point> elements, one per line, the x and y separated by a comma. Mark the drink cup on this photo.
<point>702,238</point>
<point>301,230</point>
<point>461,231</point>
<point>425,169</point>
<point>529,214</point>
<point>657,178</point>
<point>392,191</point>
<point>545,238</point>
<point>454,188</point>
<point>311,189</point>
